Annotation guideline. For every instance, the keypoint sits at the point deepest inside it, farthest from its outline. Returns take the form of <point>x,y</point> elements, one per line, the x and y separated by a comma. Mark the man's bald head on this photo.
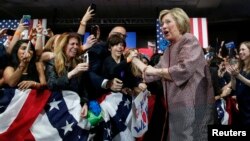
<point>118,30</point>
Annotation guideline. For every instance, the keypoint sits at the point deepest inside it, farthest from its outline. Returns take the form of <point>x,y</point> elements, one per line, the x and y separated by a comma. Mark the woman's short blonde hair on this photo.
<point>180,17</point>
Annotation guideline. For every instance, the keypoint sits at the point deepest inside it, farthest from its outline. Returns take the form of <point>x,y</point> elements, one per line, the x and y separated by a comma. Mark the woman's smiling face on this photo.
<point>244,52</point>
<point>117,50</point>
<point>72,48</point>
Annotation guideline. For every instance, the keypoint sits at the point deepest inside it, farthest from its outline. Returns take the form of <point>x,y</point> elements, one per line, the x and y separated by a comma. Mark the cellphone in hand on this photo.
<point>93,30</point>
<point>93,7</point>
<point>26,20</point>
<point>10,32</point>
<point>28,47</point>
<point>86,57</point>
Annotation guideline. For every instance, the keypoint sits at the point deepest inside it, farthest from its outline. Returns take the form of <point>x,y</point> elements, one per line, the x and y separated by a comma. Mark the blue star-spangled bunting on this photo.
<point>10,24</point>
<point>161,42</point>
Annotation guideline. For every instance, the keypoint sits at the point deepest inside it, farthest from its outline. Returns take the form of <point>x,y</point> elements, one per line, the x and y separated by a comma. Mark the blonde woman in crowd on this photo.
<point>64,70</point>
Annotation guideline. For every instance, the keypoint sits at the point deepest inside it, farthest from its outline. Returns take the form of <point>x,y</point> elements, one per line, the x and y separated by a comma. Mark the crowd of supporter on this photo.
<point>61,64</point>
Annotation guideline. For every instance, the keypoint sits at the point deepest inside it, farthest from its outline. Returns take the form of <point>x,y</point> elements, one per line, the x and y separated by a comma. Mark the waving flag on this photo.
<point>40,116</point>
<point>198,29</point>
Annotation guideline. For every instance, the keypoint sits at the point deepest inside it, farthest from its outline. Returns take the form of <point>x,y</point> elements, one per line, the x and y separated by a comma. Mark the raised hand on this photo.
<point>39,28</point>
<point>91,40</point>
<point>88,15</point>
<point>3,32</point>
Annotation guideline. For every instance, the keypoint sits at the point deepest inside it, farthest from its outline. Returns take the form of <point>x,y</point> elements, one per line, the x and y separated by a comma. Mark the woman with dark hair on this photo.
<point>22,71</point>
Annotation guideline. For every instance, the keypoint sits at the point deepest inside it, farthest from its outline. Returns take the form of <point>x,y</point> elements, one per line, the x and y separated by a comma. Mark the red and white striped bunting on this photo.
<point>199,29</point>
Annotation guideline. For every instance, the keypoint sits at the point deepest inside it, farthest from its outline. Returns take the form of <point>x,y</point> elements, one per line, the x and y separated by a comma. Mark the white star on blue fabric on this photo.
<point>91,136</point>
<point>127,102</point>
<point>54,104</point>
<point>11,24</point>
<point>67,127</point>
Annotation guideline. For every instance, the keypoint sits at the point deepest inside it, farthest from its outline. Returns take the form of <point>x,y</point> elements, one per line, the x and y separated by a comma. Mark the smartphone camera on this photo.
<point>26,20</point>
<point>10,32</point>
<point>93,7</point>
<point>85,57</point>
<point>93,30</point>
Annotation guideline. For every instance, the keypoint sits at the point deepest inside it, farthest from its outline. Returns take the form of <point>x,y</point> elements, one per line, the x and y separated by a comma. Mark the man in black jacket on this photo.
<point>97,53</point>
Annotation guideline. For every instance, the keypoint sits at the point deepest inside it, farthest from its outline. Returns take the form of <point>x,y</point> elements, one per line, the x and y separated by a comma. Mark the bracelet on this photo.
<point>35,84</point>
<point>18,33</point>
<point>39,35</point>
<point>83,23</point>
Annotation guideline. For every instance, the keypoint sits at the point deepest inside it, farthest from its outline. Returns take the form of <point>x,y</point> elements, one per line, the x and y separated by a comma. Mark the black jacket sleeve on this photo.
<point>113,70</point>
<point>53,81</point>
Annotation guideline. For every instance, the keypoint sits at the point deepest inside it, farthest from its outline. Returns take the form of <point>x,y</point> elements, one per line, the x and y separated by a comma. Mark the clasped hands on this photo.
<point>232,69</point>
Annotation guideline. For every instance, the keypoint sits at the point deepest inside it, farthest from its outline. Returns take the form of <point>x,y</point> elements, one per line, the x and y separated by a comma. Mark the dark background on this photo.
<point>228,20</point>
<point>236,31</point>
